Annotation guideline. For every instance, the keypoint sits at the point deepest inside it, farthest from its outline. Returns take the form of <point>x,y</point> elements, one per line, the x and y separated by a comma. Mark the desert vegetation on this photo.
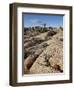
<point>43,50</point>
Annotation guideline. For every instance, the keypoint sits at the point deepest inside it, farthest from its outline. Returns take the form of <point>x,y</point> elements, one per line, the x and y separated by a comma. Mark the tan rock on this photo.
<point>55,50</point>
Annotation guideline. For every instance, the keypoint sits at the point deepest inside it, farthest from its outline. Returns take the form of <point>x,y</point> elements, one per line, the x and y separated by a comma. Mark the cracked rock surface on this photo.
<point>47,56</point>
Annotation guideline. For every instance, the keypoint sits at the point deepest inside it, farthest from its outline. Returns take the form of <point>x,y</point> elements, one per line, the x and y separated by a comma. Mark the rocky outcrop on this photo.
<point>46,56</point>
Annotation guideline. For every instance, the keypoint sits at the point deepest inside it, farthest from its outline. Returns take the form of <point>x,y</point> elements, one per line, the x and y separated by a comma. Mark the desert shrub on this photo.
<point>26,54</point>
<point>61,39</point>
<point>61,28</point>
<point>57,67</point>
<point>51,33</point>
<point>45,45</point>
<point>50,28</point>
<point>46,58</point>
<point>43,30</point>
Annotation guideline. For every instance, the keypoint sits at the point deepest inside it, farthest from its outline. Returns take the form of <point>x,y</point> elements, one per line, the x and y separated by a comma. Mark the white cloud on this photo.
<point>34,20</point>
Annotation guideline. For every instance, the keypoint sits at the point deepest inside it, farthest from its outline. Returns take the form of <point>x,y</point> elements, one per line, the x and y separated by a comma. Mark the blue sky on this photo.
<point>38,20</point>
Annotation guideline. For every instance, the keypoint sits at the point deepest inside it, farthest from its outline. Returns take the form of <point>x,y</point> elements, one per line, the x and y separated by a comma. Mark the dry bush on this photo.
<point>61,39</point>
<point>51,33</point>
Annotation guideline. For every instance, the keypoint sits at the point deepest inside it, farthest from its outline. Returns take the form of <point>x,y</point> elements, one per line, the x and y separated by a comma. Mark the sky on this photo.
<point>31,20</point>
